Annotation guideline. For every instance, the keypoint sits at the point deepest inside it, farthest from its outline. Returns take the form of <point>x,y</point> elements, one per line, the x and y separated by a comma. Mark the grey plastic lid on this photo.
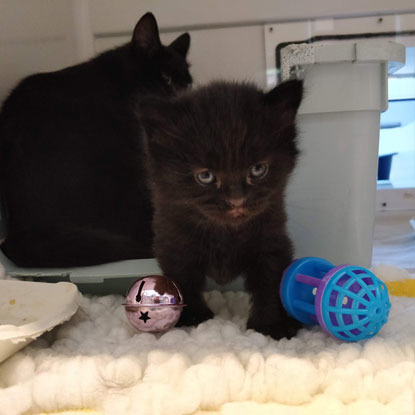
<point>344,76</point>
<point>94,274</point>
<point>362,51</point>
<point>110,278</point>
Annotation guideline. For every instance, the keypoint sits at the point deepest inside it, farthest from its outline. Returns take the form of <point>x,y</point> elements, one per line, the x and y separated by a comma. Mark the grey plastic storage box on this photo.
<point>331,197</point>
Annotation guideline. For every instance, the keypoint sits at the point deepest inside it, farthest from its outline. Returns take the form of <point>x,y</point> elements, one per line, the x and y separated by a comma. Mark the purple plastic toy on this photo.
<point>153,304</point>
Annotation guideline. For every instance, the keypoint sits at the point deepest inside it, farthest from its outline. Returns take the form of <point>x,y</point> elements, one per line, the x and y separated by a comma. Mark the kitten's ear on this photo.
<point>146,37</point>
<point>285,98</point>
<point>181,44</point>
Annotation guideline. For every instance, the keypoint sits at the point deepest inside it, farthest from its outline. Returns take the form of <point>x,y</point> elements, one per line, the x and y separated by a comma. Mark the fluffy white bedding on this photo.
<point>98,361</point>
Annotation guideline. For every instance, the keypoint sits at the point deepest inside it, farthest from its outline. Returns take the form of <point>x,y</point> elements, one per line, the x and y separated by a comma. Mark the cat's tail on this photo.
<point>66,246</point>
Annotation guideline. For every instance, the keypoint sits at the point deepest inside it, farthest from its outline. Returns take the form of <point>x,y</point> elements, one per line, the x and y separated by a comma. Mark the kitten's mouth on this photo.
<point>237,216</point>
<point>237,213</point>
<point>234,217</point>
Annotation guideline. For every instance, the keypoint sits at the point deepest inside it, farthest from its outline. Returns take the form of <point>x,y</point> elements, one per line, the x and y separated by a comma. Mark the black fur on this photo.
<point>70,154</point>
<point>235,225</point>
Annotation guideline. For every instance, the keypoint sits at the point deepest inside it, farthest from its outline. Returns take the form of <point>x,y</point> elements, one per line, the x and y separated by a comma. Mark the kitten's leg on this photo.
<point>190,277</point>
<point>268,315</point>
<point>196,310</point>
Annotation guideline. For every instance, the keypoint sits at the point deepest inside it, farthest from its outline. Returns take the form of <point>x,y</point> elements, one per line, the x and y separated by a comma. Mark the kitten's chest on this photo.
<point>227,259</point>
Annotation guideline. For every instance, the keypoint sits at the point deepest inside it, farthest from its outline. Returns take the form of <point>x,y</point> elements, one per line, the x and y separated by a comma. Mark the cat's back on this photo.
<point>68,105</point>
<point>76,85</point>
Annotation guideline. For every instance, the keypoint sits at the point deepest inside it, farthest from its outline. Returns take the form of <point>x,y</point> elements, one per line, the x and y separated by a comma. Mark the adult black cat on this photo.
<point>218,160</point>
<point>70,154</point>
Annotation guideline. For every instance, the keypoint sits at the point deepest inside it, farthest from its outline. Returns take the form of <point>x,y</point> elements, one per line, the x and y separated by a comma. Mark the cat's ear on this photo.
<point>285,99</point>
<point>181,44</point>
<point>146,37</point>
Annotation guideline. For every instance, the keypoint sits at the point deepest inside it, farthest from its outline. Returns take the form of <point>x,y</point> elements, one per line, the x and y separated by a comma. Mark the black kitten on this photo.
<point>70,154</point>
<point>218,161</point>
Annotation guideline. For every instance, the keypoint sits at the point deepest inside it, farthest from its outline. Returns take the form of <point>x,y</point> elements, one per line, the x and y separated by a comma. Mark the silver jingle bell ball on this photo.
<point>153,304</point>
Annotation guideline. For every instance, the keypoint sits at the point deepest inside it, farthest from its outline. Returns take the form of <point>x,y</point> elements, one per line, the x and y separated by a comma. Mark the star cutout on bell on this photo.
<point>144,316</point>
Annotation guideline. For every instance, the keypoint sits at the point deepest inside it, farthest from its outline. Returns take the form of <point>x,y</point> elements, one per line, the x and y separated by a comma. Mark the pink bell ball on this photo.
<point>153,304</point>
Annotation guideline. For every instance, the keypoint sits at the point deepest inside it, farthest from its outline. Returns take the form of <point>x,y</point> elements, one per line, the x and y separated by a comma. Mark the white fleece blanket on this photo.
<point>98,361</point>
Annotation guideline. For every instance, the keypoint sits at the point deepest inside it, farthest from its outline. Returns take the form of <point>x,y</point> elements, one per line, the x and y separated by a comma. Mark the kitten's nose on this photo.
<point>237,202</point>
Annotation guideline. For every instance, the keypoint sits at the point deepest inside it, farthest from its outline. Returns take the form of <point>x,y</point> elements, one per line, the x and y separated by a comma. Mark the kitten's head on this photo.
<point>225,150</point>
<point>162,68</point>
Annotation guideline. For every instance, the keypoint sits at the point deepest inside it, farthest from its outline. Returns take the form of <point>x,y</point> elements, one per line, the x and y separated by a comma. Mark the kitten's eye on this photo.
<point>258,171</point>
<point>167,79</point>
<point>205,177</point>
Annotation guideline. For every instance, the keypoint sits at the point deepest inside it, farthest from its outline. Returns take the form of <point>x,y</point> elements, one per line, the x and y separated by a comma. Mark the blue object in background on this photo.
<point>349,302</point>
<point>384,166</point>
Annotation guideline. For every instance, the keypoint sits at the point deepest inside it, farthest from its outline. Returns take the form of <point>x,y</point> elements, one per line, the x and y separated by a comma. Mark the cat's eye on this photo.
<point>205,177</point>
<point>167,79</point>
<point>258,171</point>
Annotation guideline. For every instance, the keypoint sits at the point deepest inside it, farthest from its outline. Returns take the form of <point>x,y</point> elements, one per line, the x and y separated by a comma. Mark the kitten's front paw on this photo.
<point>277,330</point>
<point>193,317</point>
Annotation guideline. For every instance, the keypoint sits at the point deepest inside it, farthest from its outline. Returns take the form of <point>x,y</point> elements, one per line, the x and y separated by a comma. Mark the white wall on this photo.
<point>113,16</point>
<point>37,36</point>
<point>227,35</point>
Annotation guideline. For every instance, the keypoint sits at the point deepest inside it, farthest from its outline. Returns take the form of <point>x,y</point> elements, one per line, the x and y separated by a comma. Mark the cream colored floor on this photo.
<point>80,412</point>
<point>88,412</point>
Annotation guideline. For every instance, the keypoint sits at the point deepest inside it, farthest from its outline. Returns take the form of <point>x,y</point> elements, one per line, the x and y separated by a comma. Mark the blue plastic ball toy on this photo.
<point>349,302</point>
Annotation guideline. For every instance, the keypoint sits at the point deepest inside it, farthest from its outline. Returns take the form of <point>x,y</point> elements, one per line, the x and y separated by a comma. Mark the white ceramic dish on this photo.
<point>28,309</point>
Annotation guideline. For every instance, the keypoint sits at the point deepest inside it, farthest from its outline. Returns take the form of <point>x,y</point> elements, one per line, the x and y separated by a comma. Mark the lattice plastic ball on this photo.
<point>348,301</point>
